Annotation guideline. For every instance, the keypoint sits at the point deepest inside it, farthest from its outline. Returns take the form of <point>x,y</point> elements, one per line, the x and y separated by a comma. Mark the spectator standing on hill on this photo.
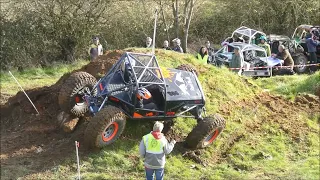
<point>148,43</point>
<point>209,48</point>
<point>95,48</point>
<point>210,51</point>
<point>236,62</point>
<point>166,45</point>
<point>177,45</point>
<point>312,49</point>
<point>203,55</point>
<point>153,148</point>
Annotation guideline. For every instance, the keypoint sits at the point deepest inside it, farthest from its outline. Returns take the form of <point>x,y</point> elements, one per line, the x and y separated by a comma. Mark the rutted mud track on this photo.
<point>36,143</point>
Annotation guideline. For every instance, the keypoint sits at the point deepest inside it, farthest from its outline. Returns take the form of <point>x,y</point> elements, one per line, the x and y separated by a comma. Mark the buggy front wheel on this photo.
<point>104,128</point>
<point>205,132</point>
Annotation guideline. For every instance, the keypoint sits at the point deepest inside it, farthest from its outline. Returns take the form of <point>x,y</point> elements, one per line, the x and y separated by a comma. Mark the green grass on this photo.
<point>36,77</point>
<point>264,153</point>
<point>290,86</point>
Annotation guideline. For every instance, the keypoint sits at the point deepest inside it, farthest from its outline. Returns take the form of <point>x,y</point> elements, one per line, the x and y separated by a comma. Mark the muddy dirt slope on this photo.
<point>36,141</point>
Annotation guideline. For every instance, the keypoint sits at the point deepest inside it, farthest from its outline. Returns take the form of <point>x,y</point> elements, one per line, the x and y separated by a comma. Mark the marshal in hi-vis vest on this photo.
<point>153,145</point>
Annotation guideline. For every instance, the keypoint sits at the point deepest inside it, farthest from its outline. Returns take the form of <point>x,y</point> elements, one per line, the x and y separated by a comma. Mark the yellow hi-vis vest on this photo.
<point>204,59</point>
<point>153,145</point>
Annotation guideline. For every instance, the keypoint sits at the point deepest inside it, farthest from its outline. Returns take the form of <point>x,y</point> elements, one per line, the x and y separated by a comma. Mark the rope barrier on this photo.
<point>280,67</point>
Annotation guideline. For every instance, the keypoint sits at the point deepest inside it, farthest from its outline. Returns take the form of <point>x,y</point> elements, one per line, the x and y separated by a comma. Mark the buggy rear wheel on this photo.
<point>206,131</point>
<point>71,94</point>
<point>104,128</point>
<point>187,67</point>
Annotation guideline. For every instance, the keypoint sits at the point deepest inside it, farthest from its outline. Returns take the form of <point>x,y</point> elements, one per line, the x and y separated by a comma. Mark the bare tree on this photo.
<point>188,12</point>
<point>175,10</point>
<point>162,10</point>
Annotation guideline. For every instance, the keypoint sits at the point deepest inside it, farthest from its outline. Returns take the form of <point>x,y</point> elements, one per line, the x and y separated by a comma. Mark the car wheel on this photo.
<point>301,60</point>
<point>206,131</point>
<point>104,128</point>
<point>71,94</point>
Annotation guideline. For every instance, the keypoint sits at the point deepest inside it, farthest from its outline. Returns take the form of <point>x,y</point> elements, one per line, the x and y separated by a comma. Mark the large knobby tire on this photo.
<point>71,94</point>
<point>301,60</point>
<point>104,128</point>
<point>187,67</point>
<point>205,132</point>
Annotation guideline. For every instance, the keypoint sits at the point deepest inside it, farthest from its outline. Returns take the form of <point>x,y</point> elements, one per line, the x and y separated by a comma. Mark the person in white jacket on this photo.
<point>153,148</point>
<point>177,45</point>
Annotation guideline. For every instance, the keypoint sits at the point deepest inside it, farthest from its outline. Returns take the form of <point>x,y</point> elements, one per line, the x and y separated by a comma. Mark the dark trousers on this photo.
<point>313,60</point>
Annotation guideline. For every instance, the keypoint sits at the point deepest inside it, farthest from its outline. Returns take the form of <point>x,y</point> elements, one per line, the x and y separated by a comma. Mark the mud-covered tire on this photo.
<point>205,132</point>
<point>300,59</point>
<point>187,67</point>
<point>70,95</point>
<point>104,128</point>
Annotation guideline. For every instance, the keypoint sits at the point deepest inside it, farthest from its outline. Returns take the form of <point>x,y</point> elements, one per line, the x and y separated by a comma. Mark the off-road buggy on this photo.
<point>254,59</point>
<point>296,45</point>
<point>245,35</point>
<point>112,100</point>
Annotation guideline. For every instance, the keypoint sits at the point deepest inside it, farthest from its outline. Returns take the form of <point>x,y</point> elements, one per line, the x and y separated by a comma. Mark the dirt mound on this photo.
<point>36,141</point>
<point>309,99</point>
<point>102,64</point>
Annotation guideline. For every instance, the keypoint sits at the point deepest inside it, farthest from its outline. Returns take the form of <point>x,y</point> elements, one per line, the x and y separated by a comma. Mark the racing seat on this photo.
<point>157,96</point>
<point>155,102</point>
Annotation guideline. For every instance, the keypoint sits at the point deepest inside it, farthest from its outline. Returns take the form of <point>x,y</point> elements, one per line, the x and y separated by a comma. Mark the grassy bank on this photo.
<point>36,77</point>
<point>290,86</point>
<point>258,142</point>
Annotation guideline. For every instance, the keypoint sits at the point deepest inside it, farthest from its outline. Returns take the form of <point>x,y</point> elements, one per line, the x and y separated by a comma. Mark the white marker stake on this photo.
<point>24,92</point>
<point>78,163</point>
<point>154,31</point>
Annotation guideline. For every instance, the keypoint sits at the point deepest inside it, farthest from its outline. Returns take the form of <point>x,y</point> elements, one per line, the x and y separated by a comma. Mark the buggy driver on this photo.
<point>144,97</point>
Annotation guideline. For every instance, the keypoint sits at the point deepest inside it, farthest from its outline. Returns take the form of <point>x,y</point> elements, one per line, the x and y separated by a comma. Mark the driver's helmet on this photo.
<point>143,93</point>
<point>263,38</point>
